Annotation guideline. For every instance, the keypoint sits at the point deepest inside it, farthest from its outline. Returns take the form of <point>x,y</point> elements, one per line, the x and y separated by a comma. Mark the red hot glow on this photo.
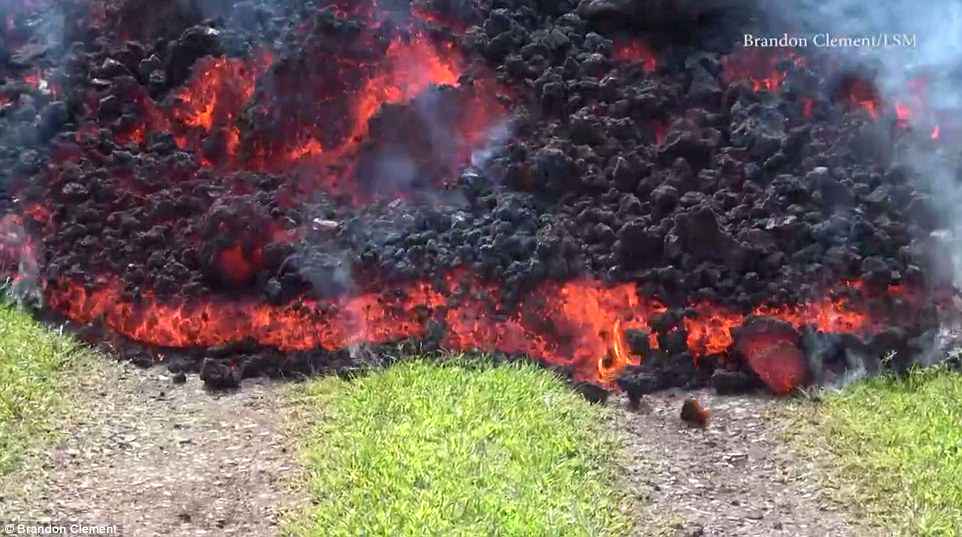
<point>762,67</point>
<point>211,102</point>
<point>636,51</point>
<point>578,324</point>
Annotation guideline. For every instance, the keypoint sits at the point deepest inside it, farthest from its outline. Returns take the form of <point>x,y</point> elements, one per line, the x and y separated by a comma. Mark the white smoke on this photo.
<point>916,71</point>
<point>929,36</point>
<point>920,68</point>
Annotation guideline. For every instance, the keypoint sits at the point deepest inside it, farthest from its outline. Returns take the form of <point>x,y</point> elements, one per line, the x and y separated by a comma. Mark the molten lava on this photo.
<point>42,81</point>
<point>212,101</point>
<point>318,112</point>
<point>249,113</point>
<point>438,19</point>
<point>710,331</point>
<point>636,51</point>
<point>771,349</point>
<point>859,93</point>
<point>578,324</point>
<point>903,114</point>
<point>808,107</point>
<point>764,68</point>
<point>411,67</point>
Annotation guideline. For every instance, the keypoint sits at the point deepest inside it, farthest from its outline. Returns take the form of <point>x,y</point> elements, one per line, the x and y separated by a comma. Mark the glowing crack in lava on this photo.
<point>764,68</point>
<point>211,103</point>
<point>409,68</point>
<point>261,114</point>
<point>406,94</point>
<point>578,324</point>
<point>203,115</point>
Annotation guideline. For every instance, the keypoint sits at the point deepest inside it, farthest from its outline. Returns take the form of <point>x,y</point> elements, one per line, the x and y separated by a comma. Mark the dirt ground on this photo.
<point>162,459</point>
<point>736,477</point>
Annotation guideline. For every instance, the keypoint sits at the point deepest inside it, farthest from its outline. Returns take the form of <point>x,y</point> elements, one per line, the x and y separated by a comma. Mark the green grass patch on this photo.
<point>899,442</point>
<point>35,365</point>
<point>457,449</point>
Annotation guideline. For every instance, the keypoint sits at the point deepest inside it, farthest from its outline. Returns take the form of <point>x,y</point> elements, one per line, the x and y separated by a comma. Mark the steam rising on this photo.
<point>919,87</point>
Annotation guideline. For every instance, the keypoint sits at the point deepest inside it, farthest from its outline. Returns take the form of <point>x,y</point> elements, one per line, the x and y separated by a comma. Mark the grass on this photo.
<point>35,367</point>
<point>898,442</point>
<point>454,449</point>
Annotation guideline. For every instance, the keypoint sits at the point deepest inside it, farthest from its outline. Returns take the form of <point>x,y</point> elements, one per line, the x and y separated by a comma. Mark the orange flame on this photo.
<point>618,356</point>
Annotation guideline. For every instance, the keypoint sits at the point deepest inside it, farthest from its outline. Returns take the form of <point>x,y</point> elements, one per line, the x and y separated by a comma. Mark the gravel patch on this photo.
<point>735,477</point>
<point>160,458</point>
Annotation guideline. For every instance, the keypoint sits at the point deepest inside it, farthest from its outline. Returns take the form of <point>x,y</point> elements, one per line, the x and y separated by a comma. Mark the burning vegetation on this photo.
<point>268,185</point>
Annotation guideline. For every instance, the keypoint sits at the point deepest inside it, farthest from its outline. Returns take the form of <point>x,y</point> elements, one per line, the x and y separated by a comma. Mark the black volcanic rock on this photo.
<point>195,43</point>
<point>220,375</point>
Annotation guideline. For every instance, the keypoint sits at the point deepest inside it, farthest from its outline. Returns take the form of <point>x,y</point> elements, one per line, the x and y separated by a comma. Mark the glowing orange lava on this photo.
<point>762,67</point>
<point>636,51</point>
<point>914,110</point>
<point>432,17</point>
<point>212,101</point>
<point>578,324</point>
<point>412,66</point>
<point>711,331</point>
<point>41,81</point>
<point>859,93</point>
<point>777,359</point>
<point>315,119</point>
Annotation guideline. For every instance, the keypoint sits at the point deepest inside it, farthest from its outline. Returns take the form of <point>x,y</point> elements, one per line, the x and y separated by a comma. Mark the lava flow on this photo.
<point>410,67</point>
<point>582,183</point>
<point>578,324</point>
